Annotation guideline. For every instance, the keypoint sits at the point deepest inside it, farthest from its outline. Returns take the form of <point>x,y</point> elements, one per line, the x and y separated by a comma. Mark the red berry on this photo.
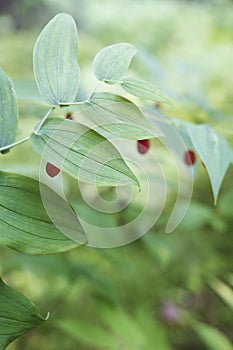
<point>52,170</point>
<point>143,146</point>
<point>189,157</point>
<point>69,116</point>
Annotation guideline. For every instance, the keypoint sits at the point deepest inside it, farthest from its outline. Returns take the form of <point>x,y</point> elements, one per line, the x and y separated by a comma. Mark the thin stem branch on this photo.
<point>37,129</point>
<point>39,126</point>
<point>67,104</point>
<point>94,90</point>
<point>5,148</point>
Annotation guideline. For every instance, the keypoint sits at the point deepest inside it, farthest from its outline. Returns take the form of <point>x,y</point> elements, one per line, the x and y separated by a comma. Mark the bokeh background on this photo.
<point>164,291</point>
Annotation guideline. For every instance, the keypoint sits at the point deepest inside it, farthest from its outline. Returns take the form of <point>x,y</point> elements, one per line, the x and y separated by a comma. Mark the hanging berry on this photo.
<point>69,116</point>
<point>143,146</point>
<point>189,157</point>
<point>52,170</point>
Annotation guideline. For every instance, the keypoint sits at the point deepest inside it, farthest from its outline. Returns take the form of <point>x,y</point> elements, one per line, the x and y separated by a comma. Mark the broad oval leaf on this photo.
<point>119,116</point>
<point>24,223</point>
<point>81,152</point>
<point>56,69</point>
<point>17,315</point>
<point>8,110</point>
<point>112,62</point>
<point>143,89</point>
<point>213,151</point>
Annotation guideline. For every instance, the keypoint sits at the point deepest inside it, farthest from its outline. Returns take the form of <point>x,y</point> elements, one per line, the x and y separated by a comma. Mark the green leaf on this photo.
<point>143,89</point>
<point>55,63</point>
<point>89,334</point>
<point>154,332</point>
<point>111,63</point>
<point>223,290</point>
<point>8,110</point>
<point>82,152</point>
<point>117,330</point>
<point>24,222</point>
<point>118,116</point>
<point>124,327</point>
<point>212,337</point>
<point>17,315</point>
<point>213,151</point>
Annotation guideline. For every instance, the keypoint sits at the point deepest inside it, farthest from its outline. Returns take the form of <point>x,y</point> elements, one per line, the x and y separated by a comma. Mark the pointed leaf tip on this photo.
<point>17,315</point>
<point>214,153</point>
<point>143,89</point>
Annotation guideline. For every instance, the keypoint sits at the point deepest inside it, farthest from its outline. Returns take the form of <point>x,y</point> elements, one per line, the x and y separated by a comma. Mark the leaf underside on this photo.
<point>17,315</point>
<point>24,223</point>
<point>56,69</point>
<point>82,152</point>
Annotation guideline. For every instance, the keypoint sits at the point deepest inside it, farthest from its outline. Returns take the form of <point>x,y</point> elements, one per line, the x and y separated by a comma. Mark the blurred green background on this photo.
<point>163,291</point>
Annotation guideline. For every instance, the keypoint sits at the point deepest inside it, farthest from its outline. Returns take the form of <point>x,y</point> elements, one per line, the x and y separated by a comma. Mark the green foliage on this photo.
<point>112,62</point>
<point>8,111</point>
<point>224,291</point>
<point>143,89</point>
<point>118,116</point>
<point>213,150</point>
<point>17,315</point>
<point>212,337</point>
<point>115,299</point>
<point>214,153</point>
<point>87,155</point>
<point>139,332</point>
<point>24,223</point>
<point>55,60</point>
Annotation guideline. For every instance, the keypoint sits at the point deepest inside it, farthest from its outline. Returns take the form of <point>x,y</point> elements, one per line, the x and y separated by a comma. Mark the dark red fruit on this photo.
<point>189,157</point>
<point>143,146</point>
<point>52,170</point>
<point>69,116</point>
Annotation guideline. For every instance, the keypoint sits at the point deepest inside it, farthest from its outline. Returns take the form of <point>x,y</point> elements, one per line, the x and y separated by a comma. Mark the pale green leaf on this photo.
<point>213,151</point>
<point>154,332</point>
<point>82,152</point>
<point>8,110</point>
<point>86,332</point>
<point>17,315</point>
<point>143,89</point>
<point>224,291</point>
<point>119,116</point>
<point>24,223</point>
<point>112,62</point>
<point>55,63</point>
<point>119,330</point>
<point>213,338</point>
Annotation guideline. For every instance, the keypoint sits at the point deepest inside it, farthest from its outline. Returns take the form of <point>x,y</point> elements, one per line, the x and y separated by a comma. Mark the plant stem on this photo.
<point>93,91</point>
<point>67,104</point>
<point>39,126</point>
<point>5,148</point>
